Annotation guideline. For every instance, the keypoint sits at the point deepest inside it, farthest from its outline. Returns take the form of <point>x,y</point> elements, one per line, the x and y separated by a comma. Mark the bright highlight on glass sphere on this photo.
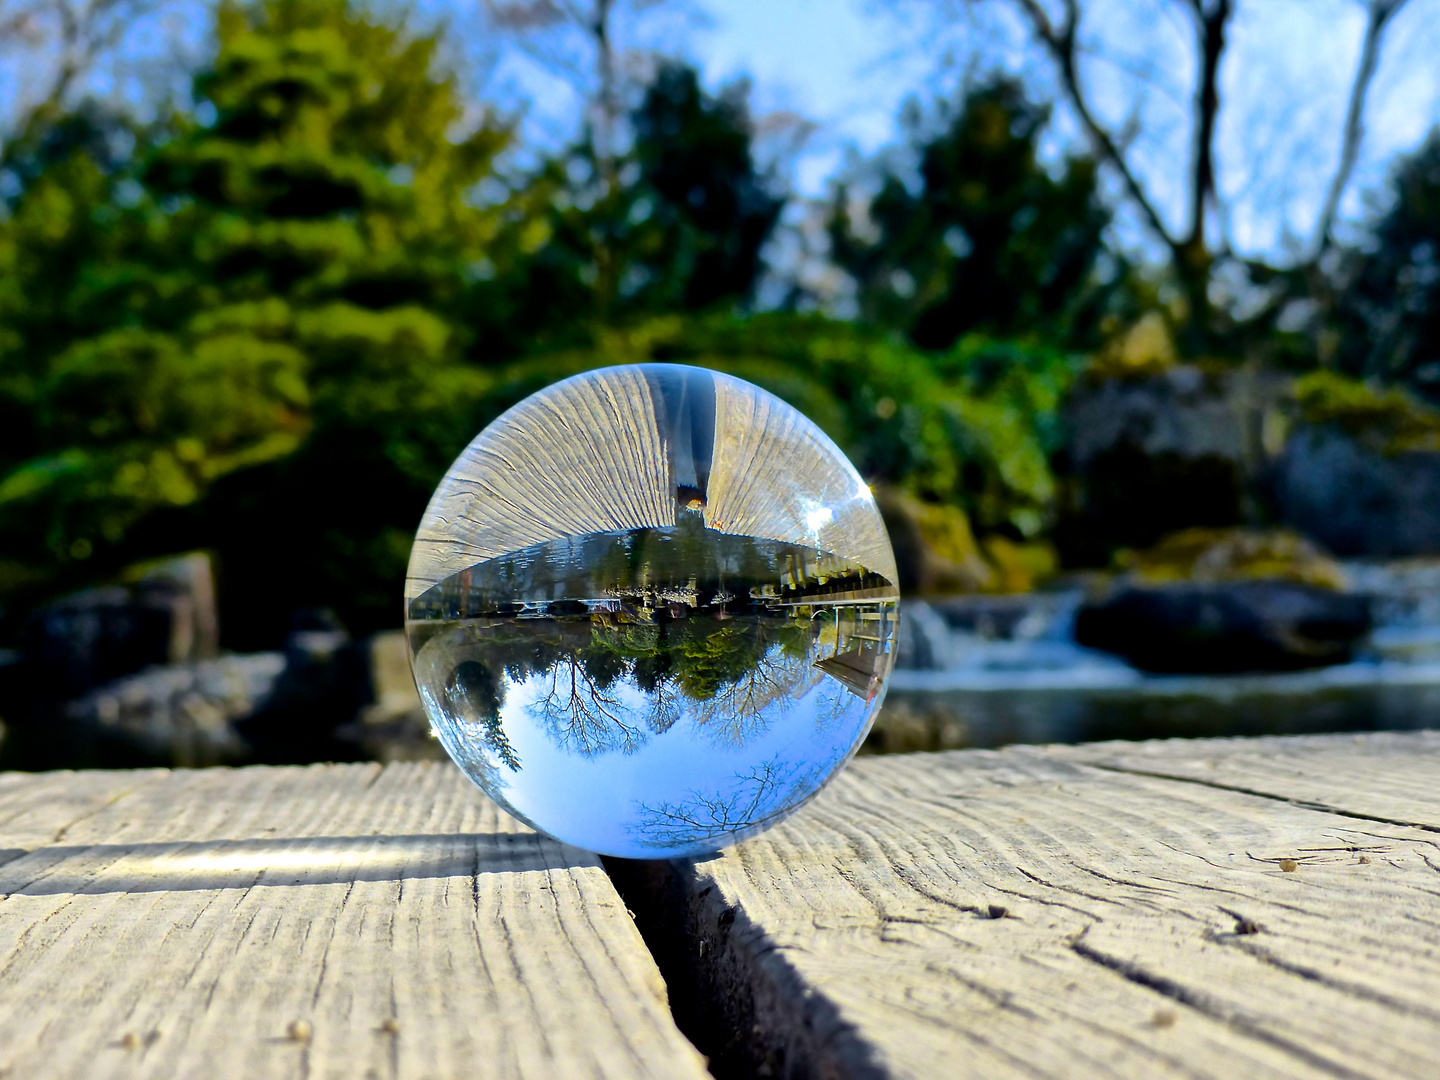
<point>651,610</point>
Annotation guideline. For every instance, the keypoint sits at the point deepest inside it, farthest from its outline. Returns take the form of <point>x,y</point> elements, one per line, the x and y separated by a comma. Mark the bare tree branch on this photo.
<point>1380,14</point>
<point>79,31</point>
<point>1060,42</point>
<point>1212,20</point>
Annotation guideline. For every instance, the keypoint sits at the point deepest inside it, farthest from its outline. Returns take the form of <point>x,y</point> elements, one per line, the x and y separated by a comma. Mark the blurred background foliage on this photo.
<point>265,320</point>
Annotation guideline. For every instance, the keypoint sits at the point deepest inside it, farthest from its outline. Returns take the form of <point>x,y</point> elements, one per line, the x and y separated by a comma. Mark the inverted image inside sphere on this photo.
<point>651,610</point>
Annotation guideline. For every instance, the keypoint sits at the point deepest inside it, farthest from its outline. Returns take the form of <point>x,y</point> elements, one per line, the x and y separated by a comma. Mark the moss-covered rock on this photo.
<point>935,548</point>
<point>1227,600</point>
<point>1360,468</point>
<point>1020,567</point>
<point>1235,554</point>
<point>1235,626</point>
<point>1151,455</point>
<point>1145,349</point>
<point>938,553</point>
<point>1389,420</point>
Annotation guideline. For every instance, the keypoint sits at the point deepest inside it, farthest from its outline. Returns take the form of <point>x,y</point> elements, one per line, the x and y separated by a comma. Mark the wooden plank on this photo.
<point>1020,914</point>
<point>393,915</point>
<point>37,808</point>
<point>778,476</point>
<point>1388,775</point>
<point>586,455</point>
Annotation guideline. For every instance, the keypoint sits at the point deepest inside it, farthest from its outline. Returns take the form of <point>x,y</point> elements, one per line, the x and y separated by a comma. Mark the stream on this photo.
<point>984,671</point>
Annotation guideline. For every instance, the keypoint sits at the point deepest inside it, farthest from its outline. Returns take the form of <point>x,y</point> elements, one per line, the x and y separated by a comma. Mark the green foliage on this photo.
<point>265,326</point>
<point>1389,307</point>
<point>267,298</point>
<point>974,426</point>
<point>675,223</point>
<point>987,240</point>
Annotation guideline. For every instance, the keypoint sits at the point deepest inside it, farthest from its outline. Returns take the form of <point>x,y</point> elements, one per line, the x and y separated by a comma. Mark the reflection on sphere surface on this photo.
<point>651,610</point>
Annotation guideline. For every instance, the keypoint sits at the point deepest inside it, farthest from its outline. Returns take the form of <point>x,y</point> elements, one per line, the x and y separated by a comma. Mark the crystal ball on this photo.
<point>651,610</point>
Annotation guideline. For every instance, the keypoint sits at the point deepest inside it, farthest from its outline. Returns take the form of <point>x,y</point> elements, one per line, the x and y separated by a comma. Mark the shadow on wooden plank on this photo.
<point>750,1019</point>
<point>180,866</point>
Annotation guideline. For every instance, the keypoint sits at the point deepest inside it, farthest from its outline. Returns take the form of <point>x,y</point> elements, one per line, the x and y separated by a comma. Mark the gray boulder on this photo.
<point>164,615</point>
<point>181,714</point>
<point>1356,500</point>
<point>1216,627</point>
<point>1156,454</point>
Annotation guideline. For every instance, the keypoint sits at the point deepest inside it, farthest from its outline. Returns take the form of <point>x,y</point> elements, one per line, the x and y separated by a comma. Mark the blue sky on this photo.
<point>846,66</point>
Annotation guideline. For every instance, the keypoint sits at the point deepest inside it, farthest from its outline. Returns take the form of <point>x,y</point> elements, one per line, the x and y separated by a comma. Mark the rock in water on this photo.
<point>1197,627</point>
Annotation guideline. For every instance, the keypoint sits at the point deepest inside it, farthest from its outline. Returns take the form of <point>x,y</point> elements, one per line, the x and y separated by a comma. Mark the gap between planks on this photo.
<point>1036,912</point>
<point>1117,910</point>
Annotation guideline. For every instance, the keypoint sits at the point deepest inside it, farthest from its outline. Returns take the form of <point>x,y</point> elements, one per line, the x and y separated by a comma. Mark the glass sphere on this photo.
<point>651,610</point>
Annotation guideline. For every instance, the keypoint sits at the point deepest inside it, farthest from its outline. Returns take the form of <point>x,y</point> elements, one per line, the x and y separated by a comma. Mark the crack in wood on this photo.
<point>1314,975</point>
<point>1304,804</point>
<point>1214,1009</point>
<point>733,991</point>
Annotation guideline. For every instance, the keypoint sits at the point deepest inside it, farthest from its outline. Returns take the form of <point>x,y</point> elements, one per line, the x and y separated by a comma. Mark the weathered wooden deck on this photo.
<point>1243,908</point>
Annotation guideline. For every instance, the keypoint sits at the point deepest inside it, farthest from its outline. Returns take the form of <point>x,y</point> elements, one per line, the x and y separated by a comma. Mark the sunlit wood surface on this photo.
<point>1223,909</point>
<point>1208,909</point>
<point>334,921</point>
<point>592,455</point>
<point>582,457</point>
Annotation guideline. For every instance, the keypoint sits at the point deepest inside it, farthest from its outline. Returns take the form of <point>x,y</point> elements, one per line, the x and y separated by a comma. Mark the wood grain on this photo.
<point>586,455</point>
<point>1393,776</point>
<point>1027,914</point>
<point>339,921</point>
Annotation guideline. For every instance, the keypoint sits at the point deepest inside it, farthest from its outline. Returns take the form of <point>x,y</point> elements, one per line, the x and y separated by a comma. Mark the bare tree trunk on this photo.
<point>1191,258</point>
<point>1380,14</point>
<point>605,119</point>
<point>603,113</point>
<point>79,31</point>
<point>1195,257</point>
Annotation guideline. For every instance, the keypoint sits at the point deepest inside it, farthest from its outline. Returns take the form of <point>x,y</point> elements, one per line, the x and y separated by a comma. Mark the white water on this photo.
<point>1007,669</point>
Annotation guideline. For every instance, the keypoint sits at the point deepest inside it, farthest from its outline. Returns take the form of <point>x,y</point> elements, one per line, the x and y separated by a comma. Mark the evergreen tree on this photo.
<point>1389,302</point>
<point>709,211</point>
<point>280,312</point>
<point>676,223</point>
<point>986,240</point>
